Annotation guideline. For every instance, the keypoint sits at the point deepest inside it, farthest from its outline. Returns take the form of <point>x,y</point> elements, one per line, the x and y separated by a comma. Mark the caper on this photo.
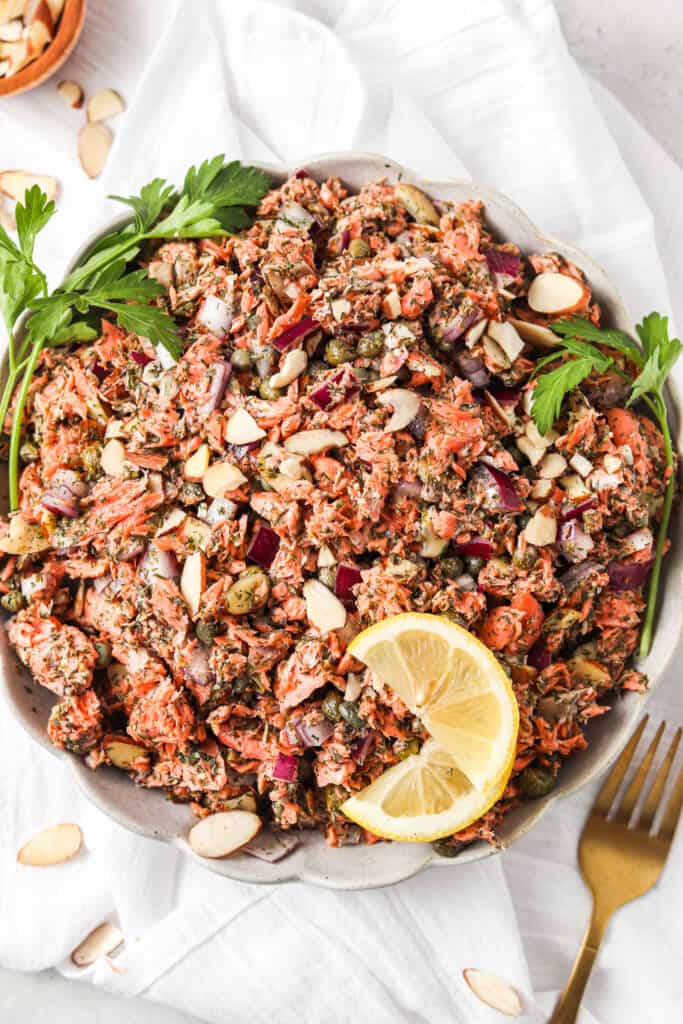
<point>338,351</point>
<point>525,559</point>
<point>411,747</point>
<point>447,847</point>
<point>330,706</point>
<point>241,359</point>
<point>28,452</point>
<point>13,601</point>
<point>474,564</point>
<point>328,576</point>
<point>103,654</point>
<point>358,248</point>
<point>452,567</point>
<point>371,345</point>
<point>90,459</point>
<point>536,781</point>
<point>249,593</point>
<point>349,712</point>
<point>205,631</point>
<point>334,798</point>
<point>268,393</point>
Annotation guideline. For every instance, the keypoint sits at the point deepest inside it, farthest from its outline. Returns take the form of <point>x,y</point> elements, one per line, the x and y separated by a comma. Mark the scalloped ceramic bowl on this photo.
<point>364,867</point>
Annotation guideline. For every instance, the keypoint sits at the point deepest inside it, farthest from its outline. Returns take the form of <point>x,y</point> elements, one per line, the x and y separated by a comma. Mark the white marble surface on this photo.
<point>636,50</point>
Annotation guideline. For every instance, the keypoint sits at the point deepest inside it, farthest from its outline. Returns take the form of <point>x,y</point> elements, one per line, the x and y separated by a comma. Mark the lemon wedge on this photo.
<point>458,689</point>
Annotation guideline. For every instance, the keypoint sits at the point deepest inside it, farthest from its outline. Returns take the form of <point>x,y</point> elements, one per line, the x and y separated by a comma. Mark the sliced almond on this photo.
<point>114,428</point>
<point>475,332</point>
<point>104,105</point>
<point>324,610</point>
<point>198,463</point>
<point>541,489</point>
<point>294,469</point>
<point>432,546</point>
<point>39,10</point>
<point>221,478</point>
<point>557,294</point>
<point>493,991</point>
<point>495,354</point>
<point>56,7</point>
<point>219,835</point>
<point>392,304</point>
<point>10,9</point>
<point>612,463</point>
<point>532,452</point>
<point>100,942</point>
<point>538,439</point>
<point>552,465</point>
<point>325,557</point>
<point>504,333</point>
<point>18,54</point>
<point>196,533</point>
<point>581,464</point>
<point>94,143</point>
<point>574,486</point>
<point>24,538</point>
<point>113,458</point>
<point>293,365</point>
<point>51,846</point>
<point>417,204</point>
<point>71,92</point>
<point>535,334</point>
<point>161,271</point>
<point>505,415</point>
<point>406,405</point>
<point>11,32</point>
<point>242,428</point>
<point>541,529</point>
<point>39,37</point>
<point>340,308</point>
<point>310,442</point>
<point>193,580</point>
<point>4,70</point>
<point>124,752</point>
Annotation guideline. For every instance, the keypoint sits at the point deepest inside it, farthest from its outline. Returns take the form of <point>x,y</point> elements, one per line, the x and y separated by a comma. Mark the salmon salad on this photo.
<point>347,436</point>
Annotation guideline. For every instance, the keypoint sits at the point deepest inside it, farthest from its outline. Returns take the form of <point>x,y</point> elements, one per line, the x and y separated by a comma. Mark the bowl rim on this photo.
<point>612,745</point>
<point>58,50</point>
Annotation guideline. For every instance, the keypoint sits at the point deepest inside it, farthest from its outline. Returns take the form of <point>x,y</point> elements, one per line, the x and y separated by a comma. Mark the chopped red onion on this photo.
<point>498,490</point>
<point>346,579</point>
<point>322,394</point>
<point>264,363</point>
<point>313,735</point>
<point>99,371</point>
<point>100,583</point>
<point>67,478</point>
<point>215,315</point>
<point>264,547</point>
<point>361,749</point>
<point>407,489</point>
<point>219,511</point>
<point>240,450</point>
<point>538,657</point>
<point>198,668</point>
<point>344,239</point>
<point>579,572</point>
<point>270,847</point>
<point>62,502</point>
<point>508,398</point>
<point>628,575</point>
<point>219,382</point>
<point>460,323</point>
<point>301,172</point>
<point>141,358</point>
<point>574,543</point>
<point>286,768</point>
<point>505,264</point>
<point>132,550</point>
<point>473,369</point>
<point>570,512</point>
<point>477,547</point>
<point>158,562</point>
<point>295,332</point>
<point>640,540</point>
<point>293,215</point>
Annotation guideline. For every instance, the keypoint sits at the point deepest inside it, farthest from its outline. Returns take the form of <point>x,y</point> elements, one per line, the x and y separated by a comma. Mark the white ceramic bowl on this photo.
<point>364,867</point>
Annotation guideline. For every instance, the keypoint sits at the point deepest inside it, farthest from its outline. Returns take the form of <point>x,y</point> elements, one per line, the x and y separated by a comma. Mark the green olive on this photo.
<point>28,452</point>
<point>103,654</point>
<point>13,601</point>
<point>349,712</point>
<point>371,345</point>
<point>474,565</point>
<point>90,460</point>
<point>536,781</point>
<point>205,631</point>
<point>525,559</point>
<point>330,706</point>
<point>328,576</point>
<point>452,567</point>
<point>338,352</point>
<point>446,848</point>
<point>359,248</point>
<point>241,359</point>
<point>268,393</point>
<point>411,747</point>
<point>249,593</point>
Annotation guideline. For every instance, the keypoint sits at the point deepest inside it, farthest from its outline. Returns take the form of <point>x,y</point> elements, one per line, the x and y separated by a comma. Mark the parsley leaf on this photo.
<point>552,388</point>
<point>577,327</point>
<point>136,287</point>
<point>150,322</point>
<point>153,198</point>
<point>31,216</point>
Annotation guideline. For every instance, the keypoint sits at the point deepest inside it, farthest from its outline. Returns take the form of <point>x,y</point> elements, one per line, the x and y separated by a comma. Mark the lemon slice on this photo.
<point>458,689</point>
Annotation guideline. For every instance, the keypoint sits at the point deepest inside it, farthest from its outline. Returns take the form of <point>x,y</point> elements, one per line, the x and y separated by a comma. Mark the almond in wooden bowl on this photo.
<point>50,31</point>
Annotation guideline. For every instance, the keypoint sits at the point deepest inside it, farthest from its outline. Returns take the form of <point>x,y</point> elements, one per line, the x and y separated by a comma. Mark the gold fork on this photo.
<point>621,860</point>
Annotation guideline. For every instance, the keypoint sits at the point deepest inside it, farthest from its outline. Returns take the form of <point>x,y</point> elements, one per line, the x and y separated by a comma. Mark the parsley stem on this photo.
<point>659,408</point>
<point>17,422</point>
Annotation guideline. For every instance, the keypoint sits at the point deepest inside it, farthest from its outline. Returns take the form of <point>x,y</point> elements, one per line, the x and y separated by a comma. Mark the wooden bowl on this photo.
<point>38,71</point>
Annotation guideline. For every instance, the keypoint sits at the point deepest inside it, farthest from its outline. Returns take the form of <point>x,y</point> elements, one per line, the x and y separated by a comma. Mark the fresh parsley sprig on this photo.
<point>653,363</point>
<point>216,199</point>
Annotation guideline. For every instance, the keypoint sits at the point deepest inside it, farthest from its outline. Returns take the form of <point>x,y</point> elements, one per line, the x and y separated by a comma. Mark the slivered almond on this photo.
<point>310,442</point>
<point>541,529</point>
<point>495,354</point>
<point>39,10</point>
<point>99,942</point>
<point>15,183</point>
<point>504,333</point>
<point>39,36</point>
<point>535,334</point>
<point>418,205</point>
<point>113,458</point>
<point>94,143</point>
<point>541,489</point>
<point>493,991</point>
<point>71,92</point>
<point>10,9</point>
<point>104,105</point>
<point>4,70</point>
<point>123,752</point>
<point>323,608</point>
<point>198,463</point>
<point>575,486</point>
<point>532,452</point>
<point>293,365</point>
<point>405,404</point>
<point>221,478</point>
<point>242,428</point>
<point>325,557</point>
<point>557,294</point>
<point>193,580</point>
<point>219,835</point>
<point>51,846</point>
<point>552,465</point>
<point>11,32</point>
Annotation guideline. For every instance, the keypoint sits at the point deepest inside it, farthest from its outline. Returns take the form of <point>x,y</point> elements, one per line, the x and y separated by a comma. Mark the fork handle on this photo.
<point>569,1003</point>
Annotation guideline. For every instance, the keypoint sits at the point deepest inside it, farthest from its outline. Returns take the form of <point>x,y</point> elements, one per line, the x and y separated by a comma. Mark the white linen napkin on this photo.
<point>486,90</point>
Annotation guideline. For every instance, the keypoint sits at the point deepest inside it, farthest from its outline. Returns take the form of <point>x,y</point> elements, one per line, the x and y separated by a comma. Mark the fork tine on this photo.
<point>654,795</point>
<point>635,787</point>
<point>606,796</point>
<point>673,810</point>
